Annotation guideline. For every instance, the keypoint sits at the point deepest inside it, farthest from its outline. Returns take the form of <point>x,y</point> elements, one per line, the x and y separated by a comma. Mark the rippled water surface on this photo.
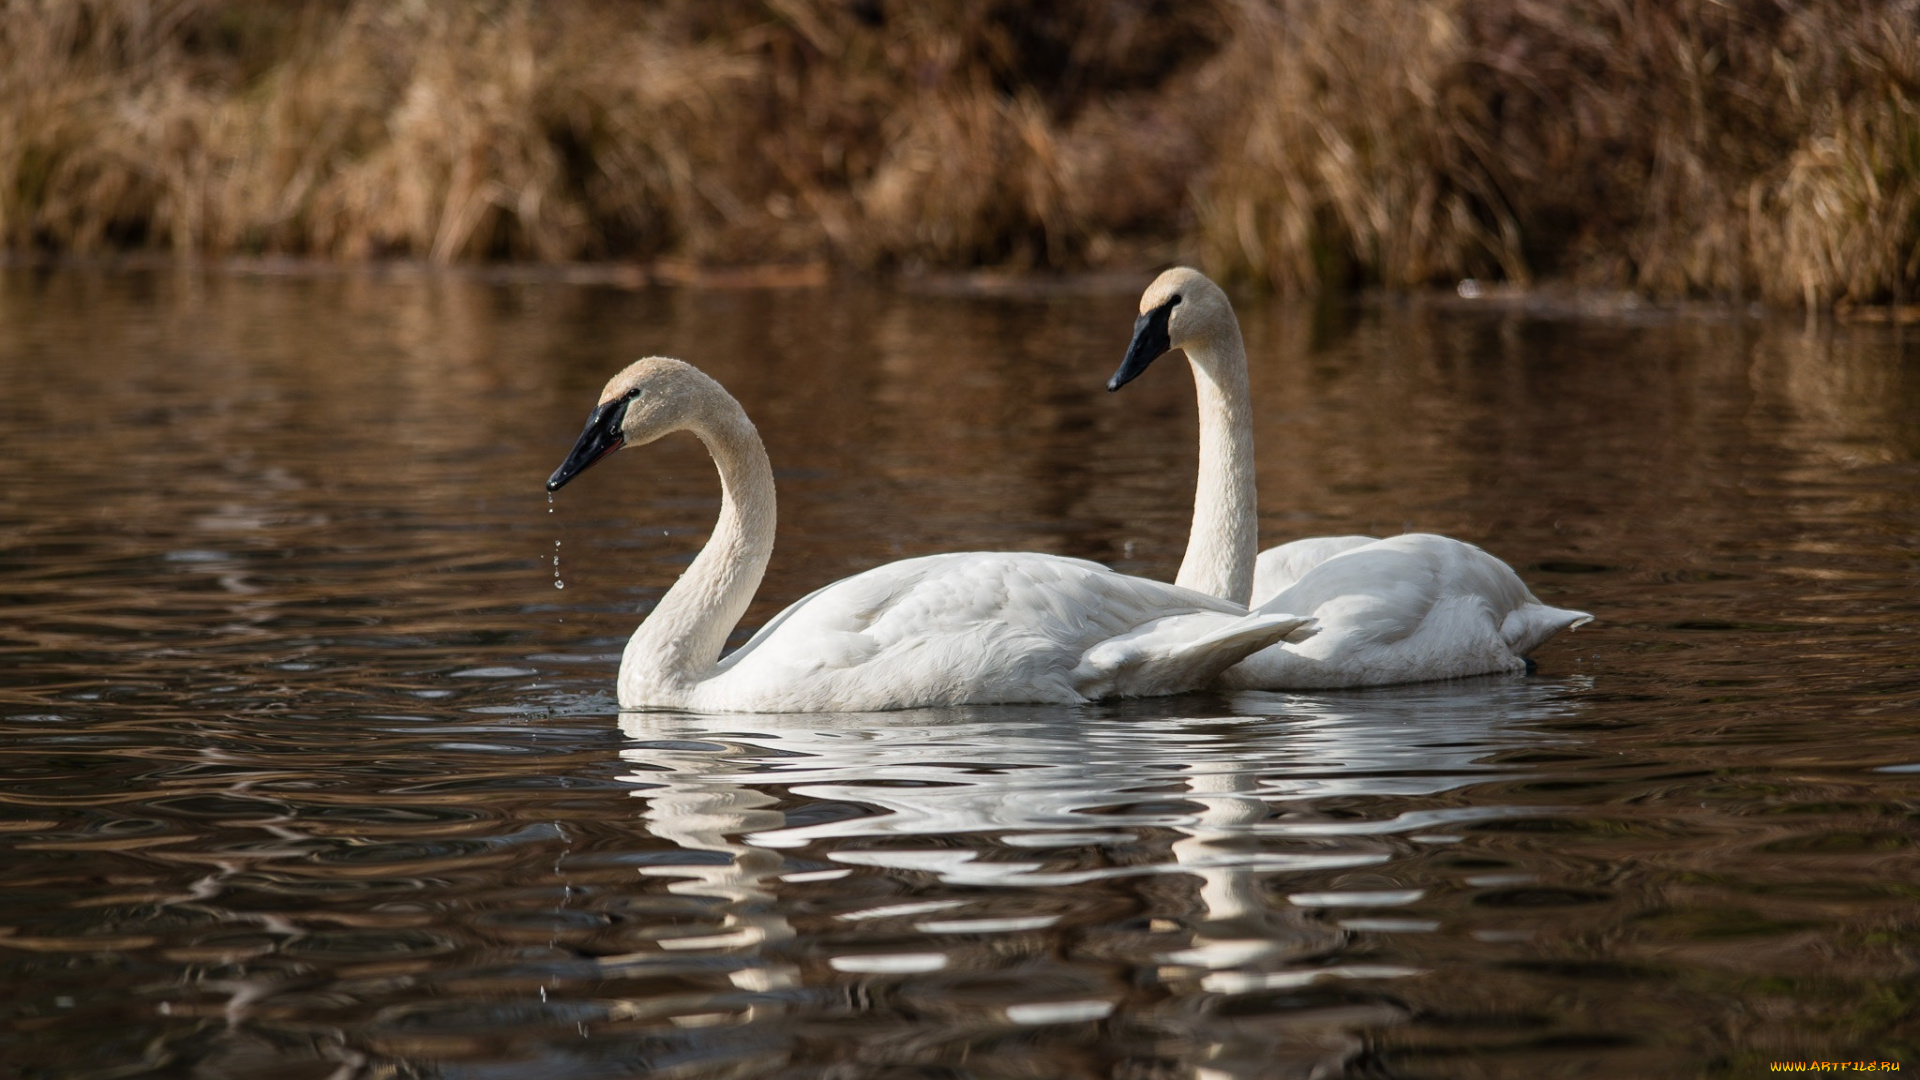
<point>312,769</point>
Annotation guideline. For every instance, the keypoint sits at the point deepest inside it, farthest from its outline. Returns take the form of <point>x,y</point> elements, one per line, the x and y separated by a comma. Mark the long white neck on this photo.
<point>680,642</point>
<point>1224,541</point>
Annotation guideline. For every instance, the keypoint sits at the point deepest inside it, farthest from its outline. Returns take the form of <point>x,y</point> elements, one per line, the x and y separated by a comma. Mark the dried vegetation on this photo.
<point>1680,147</point>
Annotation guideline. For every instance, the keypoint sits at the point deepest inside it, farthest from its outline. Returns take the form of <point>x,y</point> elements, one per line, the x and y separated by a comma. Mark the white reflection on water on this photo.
<point>1229,801</point>
<point>702,817</point>
<point>1048,778</point>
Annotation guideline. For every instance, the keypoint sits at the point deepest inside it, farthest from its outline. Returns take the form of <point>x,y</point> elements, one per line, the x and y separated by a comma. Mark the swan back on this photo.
<point>1403,609</point>
<point>986,627</point>
<point>1279,567</point>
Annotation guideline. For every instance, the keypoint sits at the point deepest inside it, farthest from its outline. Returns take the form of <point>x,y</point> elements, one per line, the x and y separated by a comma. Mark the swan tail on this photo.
<point>1530,626</point>
<point>1179,653</point>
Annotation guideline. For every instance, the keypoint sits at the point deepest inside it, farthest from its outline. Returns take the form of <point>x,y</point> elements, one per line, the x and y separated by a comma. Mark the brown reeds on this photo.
<point>1731,148</point>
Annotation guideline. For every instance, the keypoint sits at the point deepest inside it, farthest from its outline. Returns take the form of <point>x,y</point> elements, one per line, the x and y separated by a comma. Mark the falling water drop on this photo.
<point>557,583</point>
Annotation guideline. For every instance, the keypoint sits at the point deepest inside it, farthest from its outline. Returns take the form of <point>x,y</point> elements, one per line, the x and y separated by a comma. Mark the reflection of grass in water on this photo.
<point>1691,147</point>
<point>1717,924</point>
<point>1834,1020</point>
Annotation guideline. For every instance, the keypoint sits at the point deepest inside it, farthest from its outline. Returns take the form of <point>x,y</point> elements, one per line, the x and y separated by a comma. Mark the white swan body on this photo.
<point>961,629</point>
<point>1404,609</point>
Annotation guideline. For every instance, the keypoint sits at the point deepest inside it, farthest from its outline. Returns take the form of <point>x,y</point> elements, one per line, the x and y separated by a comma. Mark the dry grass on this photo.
<point>1681,147</point>
<point>1353,149</point>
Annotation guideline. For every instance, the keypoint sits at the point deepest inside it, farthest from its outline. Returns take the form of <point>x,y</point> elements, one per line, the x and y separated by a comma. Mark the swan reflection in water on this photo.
<point>1023,810</point>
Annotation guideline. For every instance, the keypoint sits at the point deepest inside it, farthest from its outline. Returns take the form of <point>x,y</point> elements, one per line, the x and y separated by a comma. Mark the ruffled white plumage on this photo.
<point>974,628</point>
<point>1403,609</point>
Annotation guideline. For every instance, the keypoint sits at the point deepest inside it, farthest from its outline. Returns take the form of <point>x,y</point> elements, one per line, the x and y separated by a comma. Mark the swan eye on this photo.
<point>1174,299</point>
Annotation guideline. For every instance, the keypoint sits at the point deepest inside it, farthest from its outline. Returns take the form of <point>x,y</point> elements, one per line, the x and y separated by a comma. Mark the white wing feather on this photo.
<point>1403,609</point>
<point>985,627</point>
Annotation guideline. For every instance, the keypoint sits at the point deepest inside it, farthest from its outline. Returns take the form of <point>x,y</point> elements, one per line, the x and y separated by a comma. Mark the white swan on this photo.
<point>1403,609</point>
<point>962,629</point>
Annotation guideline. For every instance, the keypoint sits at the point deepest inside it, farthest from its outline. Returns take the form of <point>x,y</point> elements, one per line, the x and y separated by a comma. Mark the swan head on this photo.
<point>651,398</point>
<point>1182,308</point>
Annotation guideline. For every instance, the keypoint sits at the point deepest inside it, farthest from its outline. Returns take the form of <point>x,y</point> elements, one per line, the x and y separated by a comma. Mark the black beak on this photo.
<point>601,437</point>
<point>1149,342</point>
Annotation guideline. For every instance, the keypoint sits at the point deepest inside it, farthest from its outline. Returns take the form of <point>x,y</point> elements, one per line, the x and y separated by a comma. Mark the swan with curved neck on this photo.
<point>972,628</point>
<point>1403,609</point>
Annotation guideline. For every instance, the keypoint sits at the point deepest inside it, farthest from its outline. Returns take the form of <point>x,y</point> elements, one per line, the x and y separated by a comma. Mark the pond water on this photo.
<point>312,767</point>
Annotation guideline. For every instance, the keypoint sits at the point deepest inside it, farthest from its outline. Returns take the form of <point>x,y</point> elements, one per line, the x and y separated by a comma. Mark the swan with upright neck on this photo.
<point>1402,609</point>
<point>974,628</point>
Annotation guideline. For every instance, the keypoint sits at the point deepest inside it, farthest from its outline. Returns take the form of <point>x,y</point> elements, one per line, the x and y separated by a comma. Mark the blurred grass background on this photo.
<point>1737,149</point>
